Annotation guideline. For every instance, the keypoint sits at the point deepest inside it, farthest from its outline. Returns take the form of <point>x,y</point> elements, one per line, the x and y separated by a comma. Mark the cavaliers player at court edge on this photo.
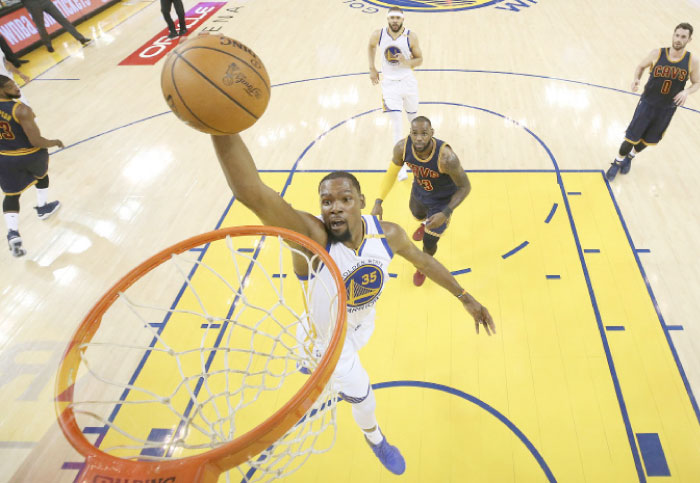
<point>439,184</point>
<point>362,246</point>
<point>669,69</point>
<point>24,161</point>
<point>400,55</point>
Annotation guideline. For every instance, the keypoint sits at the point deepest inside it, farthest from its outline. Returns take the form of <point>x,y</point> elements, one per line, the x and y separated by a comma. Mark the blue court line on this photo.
<point>393,275</point>
<point>642,250</point>
<point>196,249</point>
<point>669,340</point>
<point>551,213</point>
<point>515,250</point>
<point>157,435</point>
<point>210,326</point>
<point>606,346</point>
<point>246,250</point>
<point>574,193</point>
<point>492,411</point>
<point>673,327</point>
<point>653,454</point>
<point>553,277</point>
<point>279,275</point>
<point>591,250</point>
<point>614,327</point>
<point>461,272</point>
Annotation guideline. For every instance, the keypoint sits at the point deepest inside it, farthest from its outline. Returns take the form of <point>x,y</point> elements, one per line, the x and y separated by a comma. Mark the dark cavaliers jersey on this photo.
<point>13,139</point>
<point>666,79</point>
<point>426,174</point>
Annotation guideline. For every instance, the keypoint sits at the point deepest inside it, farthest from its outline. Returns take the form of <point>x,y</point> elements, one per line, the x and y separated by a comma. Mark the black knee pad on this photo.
<point>10,204</point>
<point>430,243</point>
<point>625,148</point>
<point>43,183</point>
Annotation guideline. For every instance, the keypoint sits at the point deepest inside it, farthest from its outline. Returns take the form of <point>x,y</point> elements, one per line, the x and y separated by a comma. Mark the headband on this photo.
<point>394,13</point>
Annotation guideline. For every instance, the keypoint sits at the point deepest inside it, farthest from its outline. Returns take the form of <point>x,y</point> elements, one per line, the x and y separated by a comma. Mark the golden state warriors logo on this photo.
<point>433,5</point>
<point>391,54</point>
<point>364,284</point>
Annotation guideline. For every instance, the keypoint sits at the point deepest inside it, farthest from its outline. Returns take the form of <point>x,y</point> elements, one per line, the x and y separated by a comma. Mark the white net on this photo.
<point>205,347</point>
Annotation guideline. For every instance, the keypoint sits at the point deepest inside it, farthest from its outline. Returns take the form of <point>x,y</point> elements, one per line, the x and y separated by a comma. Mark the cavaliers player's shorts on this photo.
<point>649,123</point>
<point>423,205</point>
<point>402,94</point>
<point>19,172</point>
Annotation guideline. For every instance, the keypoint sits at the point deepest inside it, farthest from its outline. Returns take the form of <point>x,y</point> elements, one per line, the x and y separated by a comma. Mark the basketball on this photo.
<point>215,84</point>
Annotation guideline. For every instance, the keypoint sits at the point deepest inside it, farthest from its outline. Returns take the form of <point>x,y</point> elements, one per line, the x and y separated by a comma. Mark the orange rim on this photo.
<point>205,467</point>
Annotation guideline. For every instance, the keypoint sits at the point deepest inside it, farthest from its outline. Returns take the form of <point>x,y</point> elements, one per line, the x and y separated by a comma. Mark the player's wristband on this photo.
<point>463,294</point>
<point>447,211</point>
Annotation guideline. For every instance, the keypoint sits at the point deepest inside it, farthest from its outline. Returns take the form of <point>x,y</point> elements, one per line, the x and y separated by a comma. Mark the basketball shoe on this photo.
<point>43,212</point>
<point>612,170</point>
<point>15,243</point>
<point>418,234</point>
<point>625,165</point>
<point>389,455</point>
<point>418,278</point>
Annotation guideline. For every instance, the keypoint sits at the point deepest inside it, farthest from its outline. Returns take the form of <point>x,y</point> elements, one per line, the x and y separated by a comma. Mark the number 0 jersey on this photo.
<point>13,139</point>
<point>666,79</point>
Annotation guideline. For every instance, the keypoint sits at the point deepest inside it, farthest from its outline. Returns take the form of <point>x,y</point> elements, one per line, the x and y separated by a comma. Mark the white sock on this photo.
<point>633,153</point>
<point>363,412</point>
<point>411,117</point>
<point>619,158</point>
<point>374,437</point>
<point>12,221</point>
<point>395,117</point>
<point>41,196</point>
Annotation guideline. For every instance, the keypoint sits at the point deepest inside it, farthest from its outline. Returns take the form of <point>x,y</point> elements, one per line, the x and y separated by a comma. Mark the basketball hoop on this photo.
<point>226,355</point>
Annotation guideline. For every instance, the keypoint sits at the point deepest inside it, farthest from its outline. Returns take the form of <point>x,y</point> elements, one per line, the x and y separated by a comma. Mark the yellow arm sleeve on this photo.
<point>388,180</point>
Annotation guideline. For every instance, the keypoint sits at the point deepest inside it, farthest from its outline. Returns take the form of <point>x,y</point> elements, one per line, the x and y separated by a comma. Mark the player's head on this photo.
<point>421,133</point>
<point>8,88</point>
<point>395,18</point>
<point>342,202</point>
<point>682,35</point>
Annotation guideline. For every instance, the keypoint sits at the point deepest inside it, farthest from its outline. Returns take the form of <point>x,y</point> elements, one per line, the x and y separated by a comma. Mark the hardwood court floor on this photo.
<point>593,285</point>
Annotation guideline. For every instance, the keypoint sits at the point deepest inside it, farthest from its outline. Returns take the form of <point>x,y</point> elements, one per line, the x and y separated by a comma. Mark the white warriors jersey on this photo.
<point>390,49</point>
<point>365,271</point>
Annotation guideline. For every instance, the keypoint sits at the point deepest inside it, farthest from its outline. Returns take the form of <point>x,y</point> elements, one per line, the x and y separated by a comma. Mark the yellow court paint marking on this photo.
<point>65,45</point>
<point>546,372</point>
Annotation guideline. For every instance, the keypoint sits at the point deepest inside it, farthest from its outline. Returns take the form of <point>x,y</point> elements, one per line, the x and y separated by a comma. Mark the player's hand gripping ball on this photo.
<point>215,84</point>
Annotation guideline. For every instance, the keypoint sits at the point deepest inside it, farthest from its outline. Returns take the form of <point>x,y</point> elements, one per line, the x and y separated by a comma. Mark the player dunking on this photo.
<point>400,55</point>
<point>669,70</point>
<point>362,247</point>
<point>439,184</point>
<point>24,161</point>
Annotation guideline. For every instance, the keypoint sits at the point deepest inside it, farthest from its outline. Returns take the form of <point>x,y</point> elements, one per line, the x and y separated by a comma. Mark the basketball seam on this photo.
<point>251,67</point>
<point>216,86</point>
<point>182,99</point>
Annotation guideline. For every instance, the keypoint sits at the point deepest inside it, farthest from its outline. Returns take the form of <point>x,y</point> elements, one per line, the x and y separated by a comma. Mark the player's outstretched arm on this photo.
<point>436,271</point>
<point>244,180</point>
<point>389,177</point>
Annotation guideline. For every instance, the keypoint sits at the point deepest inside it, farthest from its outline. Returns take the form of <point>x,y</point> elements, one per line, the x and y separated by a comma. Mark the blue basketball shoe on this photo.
<point>15,243</point>
<point>625,165</point>
<point>612,170</point>
<point>43,212</point>
<point>389,455</point>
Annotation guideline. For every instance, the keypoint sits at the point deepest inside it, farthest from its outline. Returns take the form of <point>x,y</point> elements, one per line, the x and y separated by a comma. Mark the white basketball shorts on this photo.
<point>400,94</point>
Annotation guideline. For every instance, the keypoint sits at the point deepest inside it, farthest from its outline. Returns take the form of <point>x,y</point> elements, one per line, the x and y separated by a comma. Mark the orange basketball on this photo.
<point>215,84</point>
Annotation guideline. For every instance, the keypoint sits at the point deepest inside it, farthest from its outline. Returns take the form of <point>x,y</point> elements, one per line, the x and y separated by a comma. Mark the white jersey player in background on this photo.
<point>362,247</point>
<point>400,53</point>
